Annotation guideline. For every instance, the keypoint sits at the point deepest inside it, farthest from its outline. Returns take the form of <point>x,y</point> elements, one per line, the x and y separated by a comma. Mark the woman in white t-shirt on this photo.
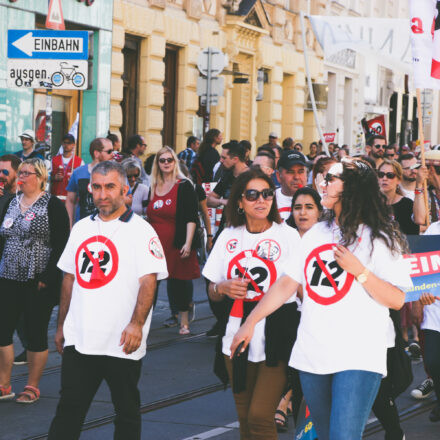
<point>352,271</point>
<point>248,257</point>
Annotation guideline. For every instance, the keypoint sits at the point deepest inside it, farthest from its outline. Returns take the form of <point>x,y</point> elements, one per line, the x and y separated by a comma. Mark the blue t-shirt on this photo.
<point>79,184</point>
<point>20,155</point>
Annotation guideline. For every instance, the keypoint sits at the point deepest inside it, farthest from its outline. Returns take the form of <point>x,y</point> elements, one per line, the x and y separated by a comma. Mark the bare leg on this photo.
<point>37,361</point>
<point>6,360</point>
<point>184,319</point>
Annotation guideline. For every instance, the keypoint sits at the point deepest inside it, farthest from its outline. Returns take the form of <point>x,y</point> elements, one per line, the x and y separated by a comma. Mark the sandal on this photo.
<point>184,330</point>
<point>281,423</point>
<point>32,394</point>
<point>6,393</point>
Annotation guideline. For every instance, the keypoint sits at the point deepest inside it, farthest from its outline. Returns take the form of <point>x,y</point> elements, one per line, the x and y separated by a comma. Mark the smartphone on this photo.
<point>238,350</point>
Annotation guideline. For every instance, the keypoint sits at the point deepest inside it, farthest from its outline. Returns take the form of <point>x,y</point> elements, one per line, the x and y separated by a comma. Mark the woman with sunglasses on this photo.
<point>352,271</point>
<point>173,212</point>
<point>33,232</point>
<point>246,260</point>
<point>139,191</point>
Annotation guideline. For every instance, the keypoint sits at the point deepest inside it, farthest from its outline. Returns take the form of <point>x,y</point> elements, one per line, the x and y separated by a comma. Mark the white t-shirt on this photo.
<point>431,313</point>
<point>343,329</point>
<point>284,204</point>
<point>264,255</point>
<point>409,194</point>
<point>100,309</point>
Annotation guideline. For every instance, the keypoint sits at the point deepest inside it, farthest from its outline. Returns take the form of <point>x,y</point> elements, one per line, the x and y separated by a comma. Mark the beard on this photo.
<point>378,155</point>
<point>409,179</point>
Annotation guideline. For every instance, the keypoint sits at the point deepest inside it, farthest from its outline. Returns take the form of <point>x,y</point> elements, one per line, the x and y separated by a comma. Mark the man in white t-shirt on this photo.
<point>111,263</point>
<point>292,175</point>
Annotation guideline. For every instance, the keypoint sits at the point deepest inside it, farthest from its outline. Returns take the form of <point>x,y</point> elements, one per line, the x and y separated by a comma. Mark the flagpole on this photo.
<point>422,150</point>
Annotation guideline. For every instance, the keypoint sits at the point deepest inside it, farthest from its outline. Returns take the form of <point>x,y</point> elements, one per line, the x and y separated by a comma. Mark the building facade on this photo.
<point>22,108</point>
<point>155,48</point>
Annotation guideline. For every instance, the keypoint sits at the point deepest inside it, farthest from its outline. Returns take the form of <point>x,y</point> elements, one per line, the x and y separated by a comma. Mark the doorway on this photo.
<point>171,61</point>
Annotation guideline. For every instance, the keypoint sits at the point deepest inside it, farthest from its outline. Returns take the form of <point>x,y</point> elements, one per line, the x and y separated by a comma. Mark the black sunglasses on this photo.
<point>389,175</point>
<point>166,159</point>
<point>108,151</point>
<point>379,147</point>
<point>136,176</point>
<point>331,177</point>
<point>5,172</point>
<point>252,195</point>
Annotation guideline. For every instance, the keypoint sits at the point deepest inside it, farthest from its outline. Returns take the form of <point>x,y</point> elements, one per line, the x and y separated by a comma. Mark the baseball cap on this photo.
<point>28,134</point>
<point>291,157</point>
<point>432,157</point>
<point>69,138</point>
<point>272,134</point>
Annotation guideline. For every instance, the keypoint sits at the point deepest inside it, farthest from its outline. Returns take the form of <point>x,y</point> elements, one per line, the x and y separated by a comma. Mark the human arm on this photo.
<point>186,248</point>
<point>419,207</point>
<point>382,291</point>
<point>66,296</point>
<point>70,206</point>
<point>207,222</point>
<point>276,296</point>
<point>417,307</point>
<point>214,200</point>
<point>131,337</point>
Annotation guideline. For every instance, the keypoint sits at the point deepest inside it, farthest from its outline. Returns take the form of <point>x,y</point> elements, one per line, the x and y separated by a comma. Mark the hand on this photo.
<point>185,251</point>
<point>347,260</point>
<point>41,285</point>
<point>209,244</point>
<point>131,338</point>
<point>422,175</point>
<point>128,199</point>
<point>59,340</point>
<point>245,333</point>
<point>2,189</point>
<point>417,312</point>
<point>235,288</point>
<point>58,176</point>
<point>426,299</point>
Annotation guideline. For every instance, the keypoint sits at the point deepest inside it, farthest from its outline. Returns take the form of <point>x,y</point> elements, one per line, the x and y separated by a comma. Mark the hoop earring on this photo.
<point>240,211</point>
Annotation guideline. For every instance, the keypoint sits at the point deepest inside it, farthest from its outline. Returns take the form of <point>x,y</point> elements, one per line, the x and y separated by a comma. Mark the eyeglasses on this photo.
<point>330,178</point>
<point>5,172</point>
<point>252,195</point>
<point>108,151</point>
<point>379,147</point>
<point>389,175</point>
<point>166,159</point>
<point>25,174</point>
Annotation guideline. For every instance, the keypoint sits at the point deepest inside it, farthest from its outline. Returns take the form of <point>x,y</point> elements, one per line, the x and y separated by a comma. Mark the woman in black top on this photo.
<point>207,156</point>
<point>33,232</point>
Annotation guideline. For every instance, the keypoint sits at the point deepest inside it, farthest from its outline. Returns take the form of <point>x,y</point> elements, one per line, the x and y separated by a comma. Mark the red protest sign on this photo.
<point>329,137</point>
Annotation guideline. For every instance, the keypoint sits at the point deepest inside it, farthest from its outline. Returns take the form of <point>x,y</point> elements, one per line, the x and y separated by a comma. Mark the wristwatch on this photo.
<point>361,278</point>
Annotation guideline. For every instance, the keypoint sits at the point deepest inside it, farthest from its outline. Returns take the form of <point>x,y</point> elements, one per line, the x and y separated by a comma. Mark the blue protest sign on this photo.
<point>49,45</point>
<point>424,262</point>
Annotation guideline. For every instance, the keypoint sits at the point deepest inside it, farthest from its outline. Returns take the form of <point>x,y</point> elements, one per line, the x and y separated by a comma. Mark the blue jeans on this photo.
<point>340,403</point>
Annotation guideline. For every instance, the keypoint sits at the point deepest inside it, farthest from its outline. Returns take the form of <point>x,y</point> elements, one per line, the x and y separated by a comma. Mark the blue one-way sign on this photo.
<point>42,44</point>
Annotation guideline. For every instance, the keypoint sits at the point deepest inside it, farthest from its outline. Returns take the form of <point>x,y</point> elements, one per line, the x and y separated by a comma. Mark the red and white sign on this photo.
<point>55,19</point>
<point>326,282</point>
<point>377,126</point>
<point>329,137</point>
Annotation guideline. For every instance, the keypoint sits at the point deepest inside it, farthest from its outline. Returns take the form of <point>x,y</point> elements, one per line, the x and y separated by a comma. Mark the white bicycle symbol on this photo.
<point>67,72</point>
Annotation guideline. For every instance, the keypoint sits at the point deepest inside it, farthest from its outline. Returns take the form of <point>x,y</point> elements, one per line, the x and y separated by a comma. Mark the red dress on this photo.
<point>161,213</point>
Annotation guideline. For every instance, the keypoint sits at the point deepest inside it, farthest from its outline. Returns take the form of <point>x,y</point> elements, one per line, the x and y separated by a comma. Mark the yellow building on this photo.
<point>154,69</point>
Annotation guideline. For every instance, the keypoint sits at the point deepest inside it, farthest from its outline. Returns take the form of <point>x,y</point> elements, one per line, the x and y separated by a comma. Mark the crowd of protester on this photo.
<point>301,256</point>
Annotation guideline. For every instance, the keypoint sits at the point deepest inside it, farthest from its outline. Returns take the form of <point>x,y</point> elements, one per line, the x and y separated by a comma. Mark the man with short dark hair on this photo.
<point>27,139</point>
<point>292,175</point>
<point>391,153</point>
<point>136,147</point>
<point>78,188</point>
<point>188,155</point>
<point>375,148</point>
<point>111,263</point>
<point>9,164</point>
<point>63,166</point>
<point>409,174</point>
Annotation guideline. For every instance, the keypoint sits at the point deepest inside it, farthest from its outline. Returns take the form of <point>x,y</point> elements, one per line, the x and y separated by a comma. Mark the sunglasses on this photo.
<point>389,175</point>
<point>108,151</point>
<point>389,155</point>
<point>330,178</point>
<point>5,172</point>
<point>130,176</point>
<point>166,160</point>
<point>379,147</point>
<point>25,174</point>
<point>252,195</point>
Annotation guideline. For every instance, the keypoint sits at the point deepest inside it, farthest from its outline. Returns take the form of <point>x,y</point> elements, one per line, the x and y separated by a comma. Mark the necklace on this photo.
<point>26,207</point>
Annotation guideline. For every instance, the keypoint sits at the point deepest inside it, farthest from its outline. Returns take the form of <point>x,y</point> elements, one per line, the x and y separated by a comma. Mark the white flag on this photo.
<point>425,40</point>
<point>74,128</point>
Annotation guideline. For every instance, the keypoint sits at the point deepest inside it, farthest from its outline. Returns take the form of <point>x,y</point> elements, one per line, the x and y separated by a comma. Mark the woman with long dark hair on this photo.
<point>246,260</point>
<point>352,272</point>
<point>207,157</point>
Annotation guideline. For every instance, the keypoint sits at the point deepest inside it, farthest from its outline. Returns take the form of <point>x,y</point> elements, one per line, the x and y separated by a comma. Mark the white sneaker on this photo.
<point>424,390</point>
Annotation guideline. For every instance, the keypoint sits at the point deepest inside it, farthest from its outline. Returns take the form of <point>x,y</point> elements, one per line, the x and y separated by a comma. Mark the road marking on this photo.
<point>213,432</point>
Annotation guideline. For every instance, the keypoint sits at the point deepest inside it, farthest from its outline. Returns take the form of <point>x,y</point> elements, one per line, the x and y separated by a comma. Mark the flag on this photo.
<point>74,128</point>
<point>425,41</point>
<point>375,126</point>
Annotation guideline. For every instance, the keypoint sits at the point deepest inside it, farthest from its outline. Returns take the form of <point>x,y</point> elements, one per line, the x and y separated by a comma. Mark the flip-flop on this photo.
<point>281,424</point>
<point>31,392</point>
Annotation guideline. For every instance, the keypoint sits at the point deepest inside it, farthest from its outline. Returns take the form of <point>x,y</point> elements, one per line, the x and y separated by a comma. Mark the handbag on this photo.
<point>398,362</point>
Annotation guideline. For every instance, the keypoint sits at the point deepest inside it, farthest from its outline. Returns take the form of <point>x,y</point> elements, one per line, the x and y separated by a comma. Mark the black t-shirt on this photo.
<point>208,160</point>
<point>403,211</point>
<point>201,195</point>
<point>223,189</point>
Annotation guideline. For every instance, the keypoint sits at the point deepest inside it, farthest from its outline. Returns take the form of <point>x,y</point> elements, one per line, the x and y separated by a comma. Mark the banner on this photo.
<point>385,41</point>
<point>425,41</point>
<point>374,126</point>
<point>329,137</point>
<point>424,262</point>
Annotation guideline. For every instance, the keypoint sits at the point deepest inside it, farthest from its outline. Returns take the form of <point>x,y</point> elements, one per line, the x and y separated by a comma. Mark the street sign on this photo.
<point>58,74</point>
<point>42,44</point>
<point>217,86</point>
<point>55,19</point>
<point>219,61</point>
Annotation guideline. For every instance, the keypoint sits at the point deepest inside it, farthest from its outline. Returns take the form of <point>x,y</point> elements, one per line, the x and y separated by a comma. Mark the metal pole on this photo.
<point>309,83</point>
<point>48,130</point>
<point>208,93</point>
